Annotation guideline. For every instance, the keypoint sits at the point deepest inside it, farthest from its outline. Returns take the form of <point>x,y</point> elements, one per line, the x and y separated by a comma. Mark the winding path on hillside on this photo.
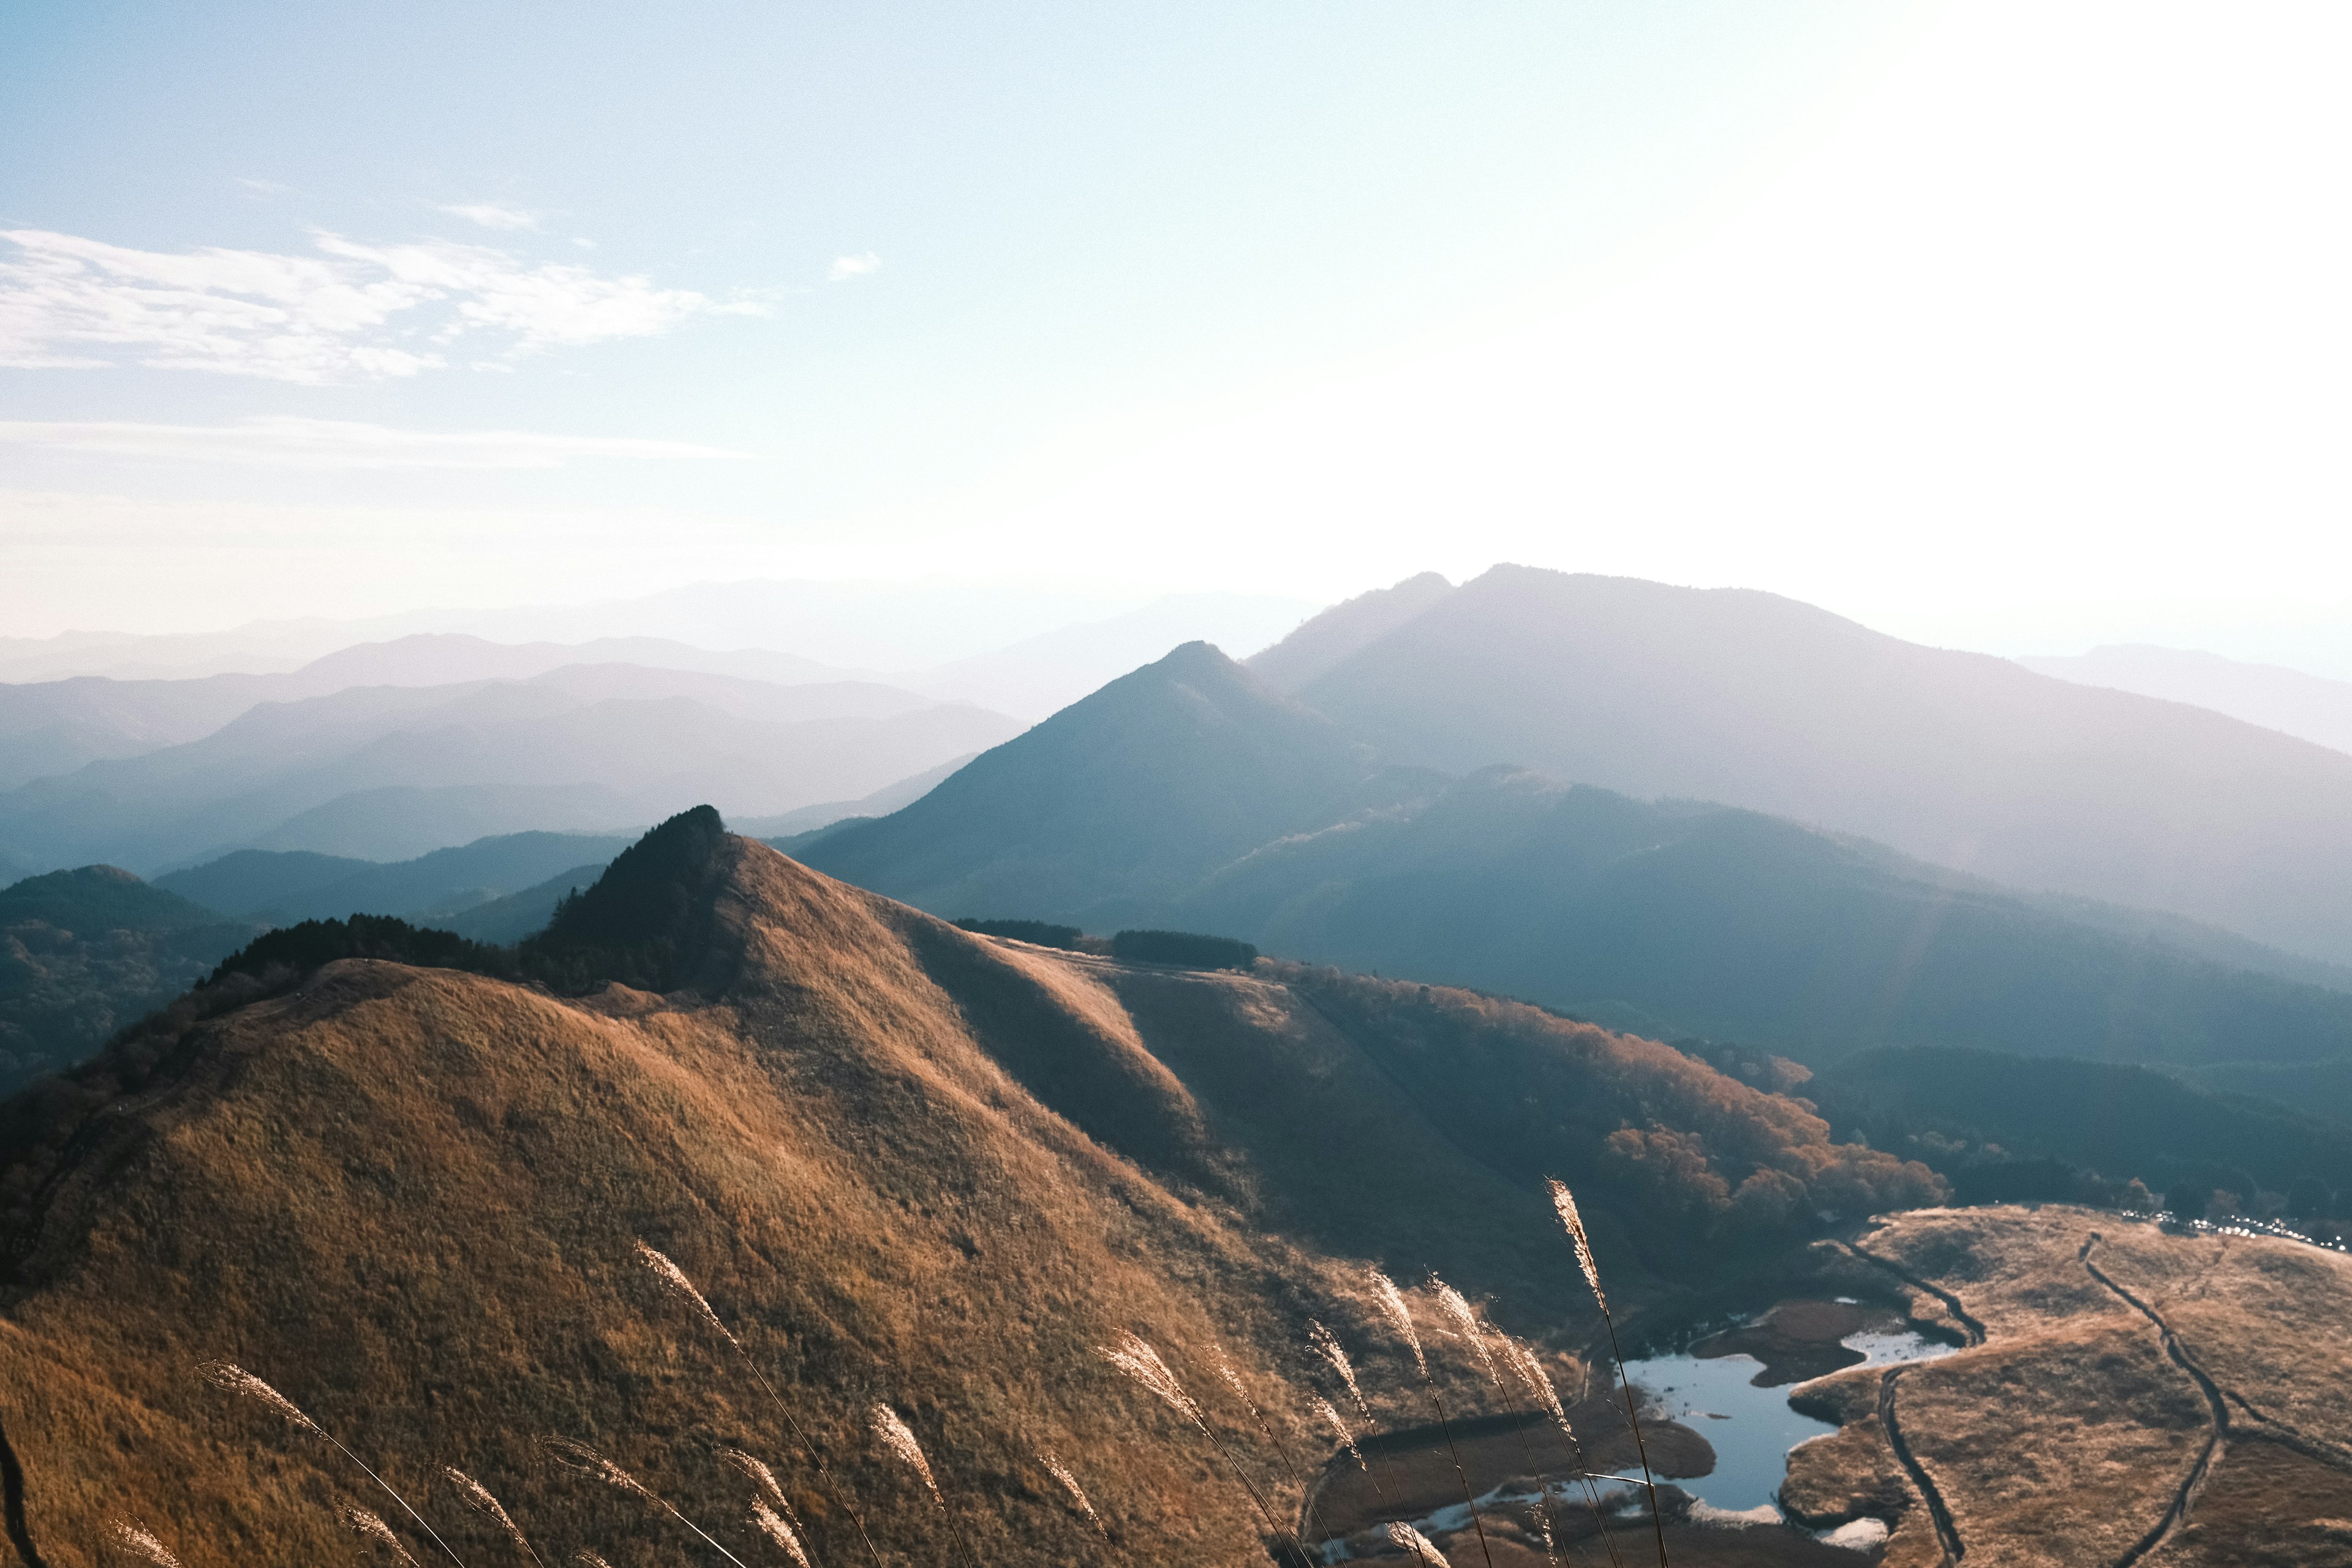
<point>2176,1513</point>
<point>1947,1532</point>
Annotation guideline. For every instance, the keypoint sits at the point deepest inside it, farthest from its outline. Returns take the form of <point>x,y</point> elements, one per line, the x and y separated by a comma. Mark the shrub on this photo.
<point>1043,934</point>
<point>1184,949</point>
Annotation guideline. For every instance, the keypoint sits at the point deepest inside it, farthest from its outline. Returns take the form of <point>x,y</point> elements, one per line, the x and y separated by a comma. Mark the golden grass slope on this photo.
<point>908,1167</point>
<point>2139,1396</point>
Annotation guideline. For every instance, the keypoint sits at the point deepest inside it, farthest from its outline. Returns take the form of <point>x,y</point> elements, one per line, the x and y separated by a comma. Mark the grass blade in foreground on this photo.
<point>1563,1201</point>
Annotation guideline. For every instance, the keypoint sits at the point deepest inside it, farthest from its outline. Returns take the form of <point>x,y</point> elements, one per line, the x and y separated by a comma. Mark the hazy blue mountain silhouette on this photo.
<point>1961,759</point>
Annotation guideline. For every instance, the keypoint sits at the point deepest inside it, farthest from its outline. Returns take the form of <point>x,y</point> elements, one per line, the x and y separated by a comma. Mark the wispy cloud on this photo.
<point>351,312</point>
<point>286,443</point>
<point>845,268</point>
<point>490,215</point>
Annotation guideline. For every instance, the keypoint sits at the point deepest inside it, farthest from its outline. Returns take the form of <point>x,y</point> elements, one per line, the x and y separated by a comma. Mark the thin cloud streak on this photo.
<point>352,312</point>
<point>846,268</point>
<point>338,444</point>
<point>490,215</point>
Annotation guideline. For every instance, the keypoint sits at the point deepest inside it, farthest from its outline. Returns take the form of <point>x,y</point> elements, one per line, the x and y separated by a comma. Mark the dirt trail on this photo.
<point>1947,1532</point>
<point>2176,1513</point>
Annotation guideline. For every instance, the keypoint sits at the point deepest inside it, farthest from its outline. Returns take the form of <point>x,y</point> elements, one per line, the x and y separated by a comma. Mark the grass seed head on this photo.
<point>368,1527</point>
<point>1392,1304</point>
<point>589,1462</point>
<point>228,1374</point>
<point>672,1276</point>
<point>773,1525</point>
<point>771,1491</point>
<point>1417,1543</point>
<point>1528,1368</point>
<point>1458,1312</point>
<point>1134,1356</point>
<point>477,1498</point>
<point>1563,1201</point>
<point>588,1559</point>
<point>1338,1424</point>
<point>899,1439</point>
<point>1060,1472</point>
<point>1326,1344</point>
<point>139,1542</point>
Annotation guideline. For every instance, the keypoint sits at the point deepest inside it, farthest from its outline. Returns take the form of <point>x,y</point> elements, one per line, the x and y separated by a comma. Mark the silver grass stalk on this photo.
<point>1467,1327</point>
<point>1400,1317</point>
<point>899,1439</point>
<point>1420,1545</point>
<point>477,1498</point>
<point>674,1279</point>
<point>1325,1344</point>
<point>1391,1301</point>
<point>1528,1368</point>
<point>588,1461</point>
<point>369,1527</point>
<point>228,1375</point>
<point>137,1540</point>
<point>1134,1356</point>
<point>773,1525</point>
<point>1338,1424</point>
<point>589,1558</point>
<point>1564,1203</point>
<point>1060,1472</point>
<point>771,1491</point>
<point>1282,1450</point>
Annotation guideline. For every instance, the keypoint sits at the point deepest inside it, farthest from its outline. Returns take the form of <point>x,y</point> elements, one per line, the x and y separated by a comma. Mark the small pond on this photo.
<point>1732,1388</point>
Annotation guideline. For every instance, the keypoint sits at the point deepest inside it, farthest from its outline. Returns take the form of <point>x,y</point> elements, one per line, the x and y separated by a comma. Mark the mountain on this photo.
<point>2289,700</point>
<point>1042,675</point>
<point>1345,629</point>
<point>906,1165</point>
<point>526,912</point>
<point>1121,801</point>
<point>84,953</point>
<point>390,772</point>
<point>1188,795</point>
<point>1991,1119</point>
<point>286,886</point>
<point>1959,758</point>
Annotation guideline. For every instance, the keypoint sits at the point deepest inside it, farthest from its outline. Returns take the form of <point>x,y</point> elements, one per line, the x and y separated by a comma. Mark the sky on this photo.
<point>2001,324</point>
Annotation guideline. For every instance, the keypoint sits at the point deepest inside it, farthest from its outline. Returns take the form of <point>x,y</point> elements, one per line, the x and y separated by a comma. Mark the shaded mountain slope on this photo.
<point>2292,702</point>
<point>1962,759</point>
<point>1125,798</point>
<point>1186,795</point>
<point>284,886</point>
<point>84,953</point>
<point>906,1163</point>
<point>1706,920</point>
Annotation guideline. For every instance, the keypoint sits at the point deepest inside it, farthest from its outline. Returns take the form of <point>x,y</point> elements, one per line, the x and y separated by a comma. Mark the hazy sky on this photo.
<point>1934,315</point>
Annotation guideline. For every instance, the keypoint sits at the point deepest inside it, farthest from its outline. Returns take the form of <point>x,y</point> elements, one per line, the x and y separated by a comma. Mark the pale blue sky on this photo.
<point>970,288</point>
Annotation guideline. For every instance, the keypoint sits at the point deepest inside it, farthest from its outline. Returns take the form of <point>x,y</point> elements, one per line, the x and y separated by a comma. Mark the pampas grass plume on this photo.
<point>579,1456</point>
<point>1326,1344</point>
<point>477,1498</point>
<point>228,1374</point>
<point>1060,1472</point>
<point>772,1525</point>
<point>1458,1311</point>
<point>371,1528</point>
<point>1391,1301</point>
<point>1339,1424</point>
<point>1417,1543</point>
<point>672,1276</point>
<point>138,1540</point>
<point>1134,1356</point>
<point>899,1439</point>
<point>1563,1203</point>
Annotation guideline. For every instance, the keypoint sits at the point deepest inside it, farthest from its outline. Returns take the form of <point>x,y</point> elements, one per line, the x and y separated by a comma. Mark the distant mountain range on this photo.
<point>389,772</point>
<point>2309,707</point>
<point>1751,700</point>
<point>1191,794</point>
